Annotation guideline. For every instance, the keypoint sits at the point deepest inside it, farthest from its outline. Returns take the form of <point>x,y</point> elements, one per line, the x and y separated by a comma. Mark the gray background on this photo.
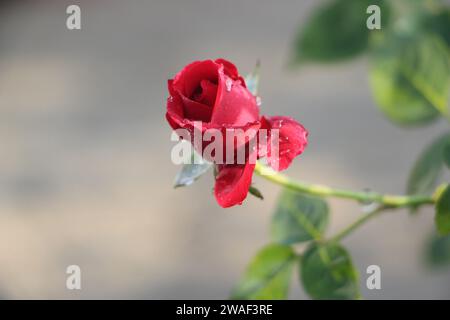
<point>85,171</point>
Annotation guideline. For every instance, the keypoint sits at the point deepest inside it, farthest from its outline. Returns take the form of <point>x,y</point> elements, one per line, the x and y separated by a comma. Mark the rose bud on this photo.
<point>214,95</point>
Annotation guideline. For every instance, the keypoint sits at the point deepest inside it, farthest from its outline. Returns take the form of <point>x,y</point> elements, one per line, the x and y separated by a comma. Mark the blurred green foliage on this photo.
<point>443,212</point>
<point>409,55</point>
<point>336,31</point>
<point>428,167</point>
<point>438,251</point>
<point>327,272</point>
<point>410,79</point>
<point>299,218</point>
<point>268,275</point>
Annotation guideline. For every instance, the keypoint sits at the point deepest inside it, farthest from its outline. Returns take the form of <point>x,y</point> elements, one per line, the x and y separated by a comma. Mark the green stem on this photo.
<point>393,201</point>
<point>349,229</point>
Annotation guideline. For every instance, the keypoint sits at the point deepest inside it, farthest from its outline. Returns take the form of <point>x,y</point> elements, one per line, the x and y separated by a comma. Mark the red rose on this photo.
<point>214,93</point>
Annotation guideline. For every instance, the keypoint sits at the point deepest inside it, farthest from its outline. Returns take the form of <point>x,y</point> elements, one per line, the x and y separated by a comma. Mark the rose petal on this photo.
<point>232,184</point>
<point>196,111</point>
<point>188,79</point>
<point>245,137</point>
<point>183,107</point>
<point>235,105</point>
<point>175,110</point>
<point>208,93</point>
<point>292,140</point>
<point>229,68</point>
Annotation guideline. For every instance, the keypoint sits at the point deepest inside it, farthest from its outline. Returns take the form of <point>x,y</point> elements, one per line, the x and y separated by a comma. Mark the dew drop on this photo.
<point>170,99</point>
<point>258,101</point>
<point>228,84</point>
<point>368,207</point>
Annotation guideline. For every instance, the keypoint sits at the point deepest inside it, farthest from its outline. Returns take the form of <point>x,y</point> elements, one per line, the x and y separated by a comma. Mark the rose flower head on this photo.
<point>209,98</point>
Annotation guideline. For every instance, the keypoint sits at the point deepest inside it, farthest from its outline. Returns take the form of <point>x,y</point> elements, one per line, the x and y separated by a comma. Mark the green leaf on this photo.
<point>190,172</point>
<point>327,272</point>
<point>410,78</point>
<point>442,217</point>
<point>440,24</point>
<point>299,218</point>
<point>255,192</point>
<point>252,79</point>
<point>438,251</point>
<point>427,67</point>
<point>268,275</point>
<point>428,167</point>
<point>446,154</point>
<point>336,31</point>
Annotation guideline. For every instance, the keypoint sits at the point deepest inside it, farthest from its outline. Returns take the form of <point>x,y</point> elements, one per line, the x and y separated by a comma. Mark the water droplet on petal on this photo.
<point>170,99</point>
<point>228,84</point>
<point>258,101</point>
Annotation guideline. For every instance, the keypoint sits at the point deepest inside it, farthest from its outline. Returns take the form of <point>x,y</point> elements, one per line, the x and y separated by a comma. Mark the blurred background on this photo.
<point>85,170</point>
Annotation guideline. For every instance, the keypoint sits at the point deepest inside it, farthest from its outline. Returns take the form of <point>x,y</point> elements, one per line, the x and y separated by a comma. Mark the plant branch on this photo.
<point>358,222</point>
<point>392,201</point>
